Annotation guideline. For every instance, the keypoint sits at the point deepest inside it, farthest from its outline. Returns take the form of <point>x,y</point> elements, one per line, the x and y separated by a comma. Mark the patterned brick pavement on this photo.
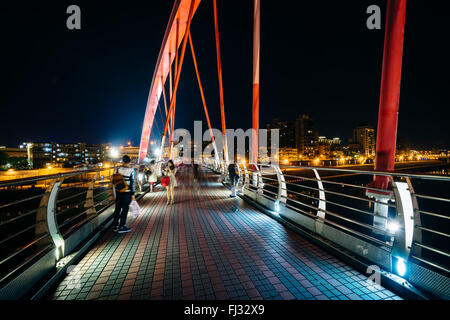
<point>209,246</point>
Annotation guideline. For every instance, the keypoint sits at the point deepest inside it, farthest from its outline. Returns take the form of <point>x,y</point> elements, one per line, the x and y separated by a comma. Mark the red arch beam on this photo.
<point>166,57</point>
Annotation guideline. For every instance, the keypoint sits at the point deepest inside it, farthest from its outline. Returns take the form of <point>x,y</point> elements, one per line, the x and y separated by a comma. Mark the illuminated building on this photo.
<point>305,137</point>
<point>364,138</point>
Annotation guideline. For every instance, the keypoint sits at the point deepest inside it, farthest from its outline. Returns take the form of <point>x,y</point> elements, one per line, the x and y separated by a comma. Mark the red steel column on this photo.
<point>219,71</point>
<point>194,59</point>
<point>256,55</point>
<point>175,96</point>
<point>177,76</point>
<point>390,90</point>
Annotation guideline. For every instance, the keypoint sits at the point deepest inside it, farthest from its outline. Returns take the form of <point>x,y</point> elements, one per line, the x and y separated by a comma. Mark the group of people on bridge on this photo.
<point>125,194</point>
<point>167,177</point>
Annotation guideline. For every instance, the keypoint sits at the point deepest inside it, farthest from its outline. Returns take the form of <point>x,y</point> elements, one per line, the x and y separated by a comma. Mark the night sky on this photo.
<point>317,58</point>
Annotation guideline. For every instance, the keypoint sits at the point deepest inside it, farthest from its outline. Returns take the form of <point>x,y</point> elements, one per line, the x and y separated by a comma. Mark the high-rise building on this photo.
<point>287,132</point>
<point>305,137</point>
<point>364,136</point>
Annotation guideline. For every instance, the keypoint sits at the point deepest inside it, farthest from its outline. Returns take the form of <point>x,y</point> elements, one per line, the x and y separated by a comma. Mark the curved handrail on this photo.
<point>56,213</point>
<point>400,199</point>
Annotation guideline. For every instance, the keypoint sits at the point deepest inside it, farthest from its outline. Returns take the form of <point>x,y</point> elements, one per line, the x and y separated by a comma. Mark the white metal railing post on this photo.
<point>246,177</point>
<point>403,224</point>
<point>417,234</point>
<point>259,180</point>
<point>282,189</point>
<point>52,223</point>
<point>322,203</point>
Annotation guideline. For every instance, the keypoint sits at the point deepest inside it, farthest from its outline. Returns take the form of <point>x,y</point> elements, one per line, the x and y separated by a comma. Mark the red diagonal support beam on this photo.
<point>201,87</point>
<point>219,72</point>
<point>219,69</point>
<point>177,76</point>
<point>181,10</point>
<point>175,94</point>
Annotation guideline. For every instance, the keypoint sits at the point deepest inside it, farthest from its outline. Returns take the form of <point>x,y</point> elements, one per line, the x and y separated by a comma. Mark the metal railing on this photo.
<point>42,214</point>
<point>409,224</point>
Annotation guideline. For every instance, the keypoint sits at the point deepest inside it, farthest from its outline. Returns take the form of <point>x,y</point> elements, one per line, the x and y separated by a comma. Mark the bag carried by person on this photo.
<point>135,210</point>
<point>165,181</point>
<point>119,182</point>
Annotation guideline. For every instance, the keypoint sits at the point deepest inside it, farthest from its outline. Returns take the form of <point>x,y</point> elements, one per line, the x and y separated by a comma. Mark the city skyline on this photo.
<point>80,82</point>
<point>125,141</point>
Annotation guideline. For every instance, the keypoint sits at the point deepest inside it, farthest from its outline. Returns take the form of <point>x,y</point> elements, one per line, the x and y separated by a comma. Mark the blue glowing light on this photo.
<point>401,267</point>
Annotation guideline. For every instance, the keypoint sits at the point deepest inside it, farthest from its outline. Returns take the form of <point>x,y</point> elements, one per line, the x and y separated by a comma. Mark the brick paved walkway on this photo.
<point>209,246</point>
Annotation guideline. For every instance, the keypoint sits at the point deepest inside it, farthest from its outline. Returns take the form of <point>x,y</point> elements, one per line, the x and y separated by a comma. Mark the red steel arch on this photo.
<point>166,57</point>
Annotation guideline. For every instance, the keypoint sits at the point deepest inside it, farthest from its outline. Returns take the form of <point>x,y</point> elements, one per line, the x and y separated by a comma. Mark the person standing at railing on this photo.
<point>153,175</point>
<point>195,171</point>
<point>170,171</point>
<point>124,194</point>
<point>234,179</point>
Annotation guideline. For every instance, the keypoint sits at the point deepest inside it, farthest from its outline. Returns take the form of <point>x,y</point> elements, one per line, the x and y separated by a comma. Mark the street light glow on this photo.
<point>114,153</point>
<point>393,226</point>
<point>401,267</point>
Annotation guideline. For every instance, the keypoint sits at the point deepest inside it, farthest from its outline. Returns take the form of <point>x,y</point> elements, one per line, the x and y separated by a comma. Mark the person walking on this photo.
<point>170,171</point>
<point>234,179</point>
<point>153,177</point>
<point>125,195</point>
<point>195,171</point>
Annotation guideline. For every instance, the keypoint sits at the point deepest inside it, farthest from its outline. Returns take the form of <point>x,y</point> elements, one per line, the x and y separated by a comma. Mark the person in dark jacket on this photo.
<point>195,171</point>
<point>123,199</point>
<point>234,178</point>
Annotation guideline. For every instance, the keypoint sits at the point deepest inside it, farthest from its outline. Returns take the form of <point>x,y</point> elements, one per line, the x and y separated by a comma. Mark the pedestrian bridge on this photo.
<point>204,246</point>
<point>210,246</point>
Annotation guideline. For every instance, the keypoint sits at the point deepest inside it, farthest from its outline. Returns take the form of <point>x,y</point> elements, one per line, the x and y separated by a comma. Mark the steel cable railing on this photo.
<point>341,198</point>
<point>72,199</point>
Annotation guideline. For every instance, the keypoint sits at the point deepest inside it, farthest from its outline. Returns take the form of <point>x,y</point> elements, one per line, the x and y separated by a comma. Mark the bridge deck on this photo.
<point>209,246</point>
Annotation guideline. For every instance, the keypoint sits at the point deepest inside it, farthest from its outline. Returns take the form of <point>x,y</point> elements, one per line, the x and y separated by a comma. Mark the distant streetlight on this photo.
<point>114,153</point>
